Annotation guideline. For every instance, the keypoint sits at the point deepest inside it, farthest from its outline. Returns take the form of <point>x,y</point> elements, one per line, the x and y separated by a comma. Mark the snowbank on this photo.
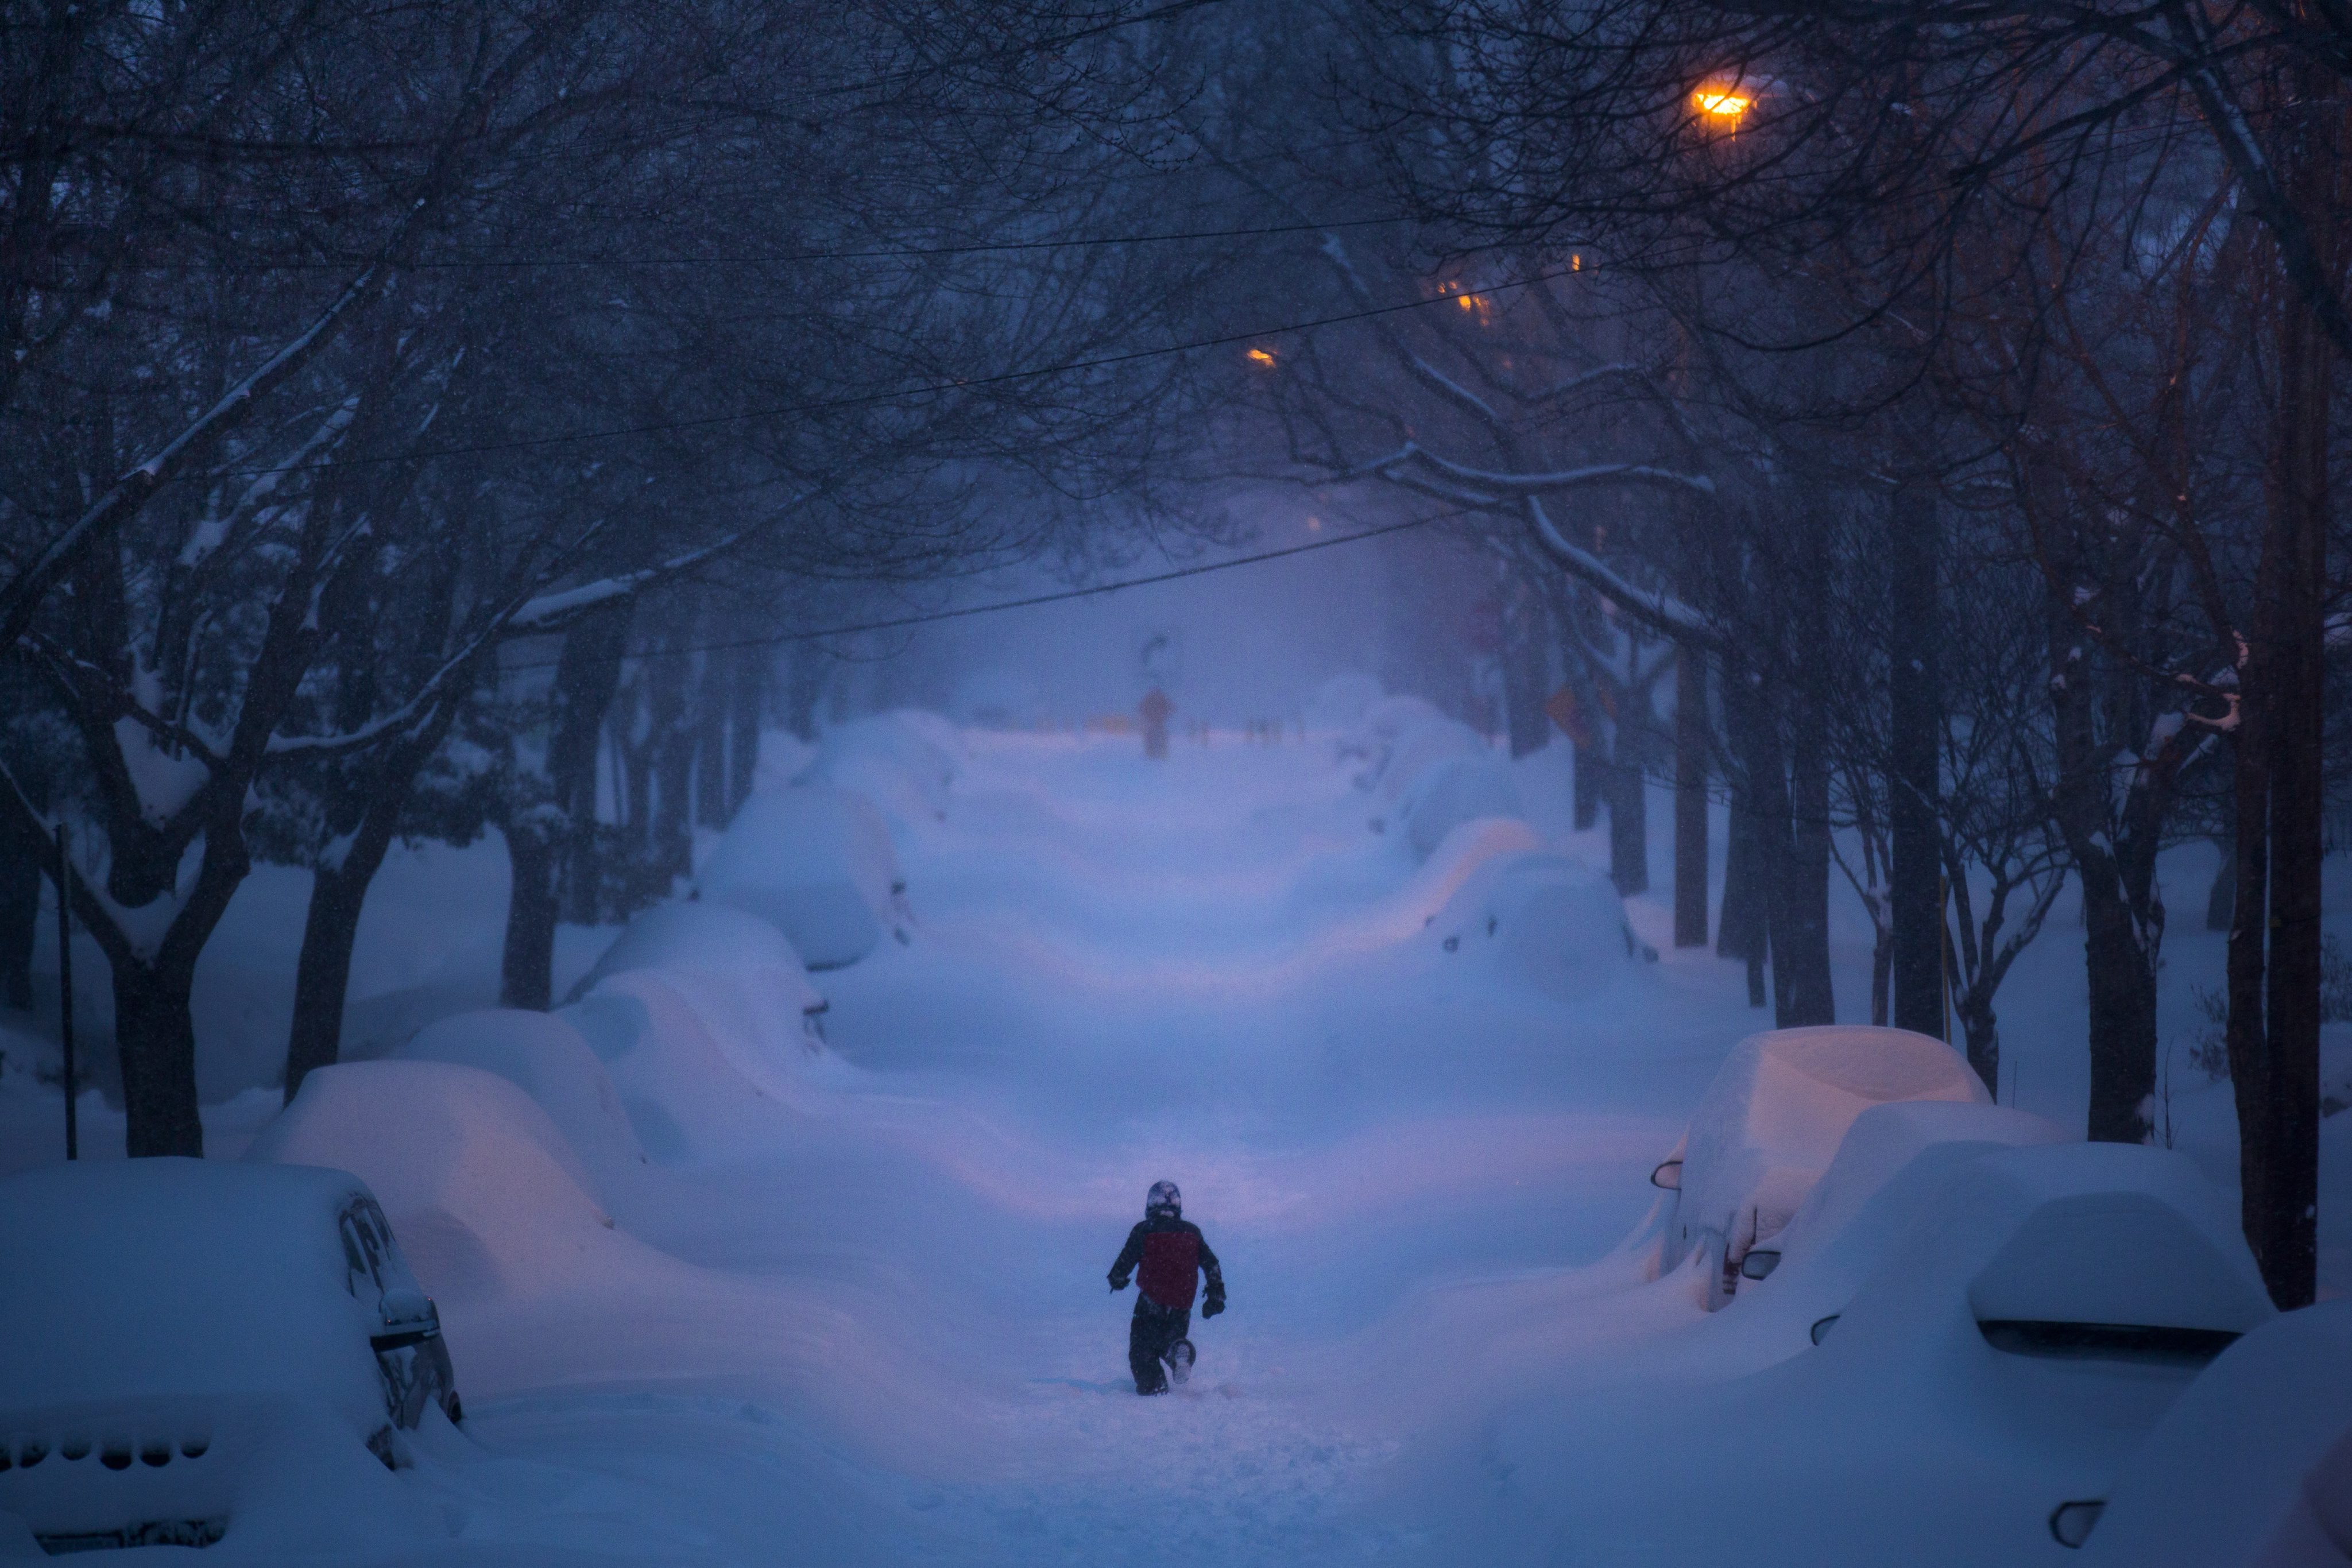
<point>816,862</point>
<point>1771,1121</point>
<point>1454,790</point>
<point>485,1197</point>
<point>1533,919</point>
<point>2253,1466</point>
<point>545,1057</point>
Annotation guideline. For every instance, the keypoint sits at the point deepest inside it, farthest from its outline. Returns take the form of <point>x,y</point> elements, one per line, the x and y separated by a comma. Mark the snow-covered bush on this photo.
<point>482,1190</point>
<point>1771,1121</point>
<point>816,862</point>
<point>545,1057</point>
<point>1537,919</point>
<point>1454,790</point>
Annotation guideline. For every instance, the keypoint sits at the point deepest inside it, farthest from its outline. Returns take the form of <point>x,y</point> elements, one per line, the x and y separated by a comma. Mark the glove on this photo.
<point>1212,1306</point>
<point>1117,1284</point>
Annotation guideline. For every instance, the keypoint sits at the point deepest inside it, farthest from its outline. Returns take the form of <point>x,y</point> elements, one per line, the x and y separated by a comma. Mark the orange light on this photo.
<point>1576,261</point>
<point>1721,103</point>
<point>1261,357</point>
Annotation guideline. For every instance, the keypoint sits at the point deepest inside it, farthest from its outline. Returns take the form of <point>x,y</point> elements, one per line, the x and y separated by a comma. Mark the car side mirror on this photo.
<point>407,1307</point>
<point>1668,1176</point>
<point>2071,1523</point>
<point>1759,1263</point>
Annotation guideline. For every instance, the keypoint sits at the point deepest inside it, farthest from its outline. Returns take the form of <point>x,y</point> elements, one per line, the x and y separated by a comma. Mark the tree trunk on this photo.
<point>527,965</point>
<point>805,688</point>
<point>1915,770</point>
<point>1882,973</point>
<point>20,914</point>
<point>1980,1028</point>
<point>1801,921</point>
<point>1585,760</point>
<point>748,705</point>
<point>2222,900</point>
<point>587,675</point>
<point>1629,821</point>
<point>157,1040</point>
<point>1690,799</point>
<point>1525,676</point>
<point>710,744</point>
<point>323,971</point>
<point>2273,1029</point>
<point>2123,1007</point>
<point>1744,932</point>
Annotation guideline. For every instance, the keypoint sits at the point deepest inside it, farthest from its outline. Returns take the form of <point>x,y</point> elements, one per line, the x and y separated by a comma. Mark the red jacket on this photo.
<point>1174,1254</point>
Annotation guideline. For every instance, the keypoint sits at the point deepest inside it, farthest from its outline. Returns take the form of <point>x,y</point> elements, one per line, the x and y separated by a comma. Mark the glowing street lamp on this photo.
<point>1262,358</point>
<point>1721,103</point>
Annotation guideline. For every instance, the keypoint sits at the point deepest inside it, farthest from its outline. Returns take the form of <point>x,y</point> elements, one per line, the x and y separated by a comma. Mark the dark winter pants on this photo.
<point>1149,1337</point>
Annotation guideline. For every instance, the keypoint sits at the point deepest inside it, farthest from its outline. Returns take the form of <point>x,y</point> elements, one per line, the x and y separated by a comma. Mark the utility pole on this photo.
<point>65,988</point>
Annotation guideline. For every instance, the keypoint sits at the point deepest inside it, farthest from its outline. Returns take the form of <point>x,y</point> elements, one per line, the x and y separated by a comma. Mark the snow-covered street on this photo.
<point>761,1302</point>
<point>895,1342</point>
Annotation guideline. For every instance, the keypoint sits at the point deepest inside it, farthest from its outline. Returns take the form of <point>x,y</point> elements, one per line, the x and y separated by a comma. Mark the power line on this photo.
<point>793,259</point>
<point>863,400</point>
<point>897,623</point>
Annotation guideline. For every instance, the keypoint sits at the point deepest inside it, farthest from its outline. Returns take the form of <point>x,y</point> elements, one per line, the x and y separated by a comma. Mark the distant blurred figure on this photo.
<point>1155,708</point>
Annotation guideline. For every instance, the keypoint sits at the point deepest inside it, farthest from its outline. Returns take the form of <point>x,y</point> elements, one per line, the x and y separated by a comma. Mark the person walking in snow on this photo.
<point>1172,1254</point>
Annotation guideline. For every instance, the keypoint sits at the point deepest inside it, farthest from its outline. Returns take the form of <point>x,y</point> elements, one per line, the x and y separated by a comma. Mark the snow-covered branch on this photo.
<point>1670,616</point>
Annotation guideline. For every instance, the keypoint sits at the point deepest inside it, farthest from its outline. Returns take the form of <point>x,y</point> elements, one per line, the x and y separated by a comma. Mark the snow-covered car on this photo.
<point>816,862</point>
<point>171,1329</point>
<point>2032,1318</point>
<point>2252,1468</point>
<point>1771,1123</point>
<point>706,936</point>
